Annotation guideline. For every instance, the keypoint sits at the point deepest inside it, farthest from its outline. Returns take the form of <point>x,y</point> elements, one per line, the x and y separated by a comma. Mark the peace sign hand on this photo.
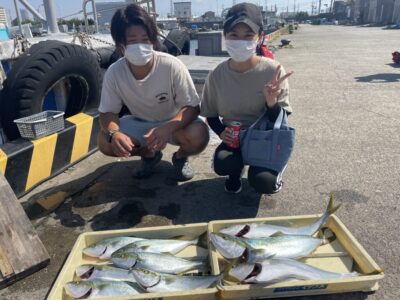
<point>272,89</point>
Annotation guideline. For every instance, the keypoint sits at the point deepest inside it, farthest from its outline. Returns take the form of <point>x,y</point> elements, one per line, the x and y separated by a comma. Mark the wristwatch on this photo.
<point>109,134</point>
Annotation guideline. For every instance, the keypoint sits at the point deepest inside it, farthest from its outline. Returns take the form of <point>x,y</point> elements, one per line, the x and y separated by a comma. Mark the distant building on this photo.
<point>167,23</point>
<point>25,15</point>
<point>3,16</point>
<point>376,11</point>
<point>183,11</point>
<point>106,10</point>
<point>288,15</point>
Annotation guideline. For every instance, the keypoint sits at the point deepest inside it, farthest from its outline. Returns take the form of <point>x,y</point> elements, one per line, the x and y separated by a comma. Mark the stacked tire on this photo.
<point>38,71</point>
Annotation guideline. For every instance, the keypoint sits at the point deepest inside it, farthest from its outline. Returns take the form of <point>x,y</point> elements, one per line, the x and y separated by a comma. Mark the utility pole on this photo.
<point>319,7</point>
<point>312,8</point>
<point>266,5</point>
<point>171,9</point>
<point>294,6</point>
<point>331,10</point>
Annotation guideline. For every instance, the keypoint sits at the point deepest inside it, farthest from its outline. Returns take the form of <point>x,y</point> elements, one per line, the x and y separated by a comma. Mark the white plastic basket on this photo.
<point>40,124</point>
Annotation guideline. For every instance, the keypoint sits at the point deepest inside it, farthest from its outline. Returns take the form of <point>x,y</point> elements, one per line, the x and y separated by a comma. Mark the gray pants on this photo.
<point>228,162</point>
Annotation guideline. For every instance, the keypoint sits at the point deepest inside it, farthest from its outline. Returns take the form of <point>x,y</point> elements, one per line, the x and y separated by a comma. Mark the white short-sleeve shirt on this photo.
<point>158,97</point>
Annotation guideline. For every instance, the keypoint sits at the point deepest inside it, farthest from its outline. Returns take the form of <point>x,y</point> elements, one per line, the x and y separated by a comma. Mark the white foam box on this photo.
<point>77,258</point>
<point>343,255</point>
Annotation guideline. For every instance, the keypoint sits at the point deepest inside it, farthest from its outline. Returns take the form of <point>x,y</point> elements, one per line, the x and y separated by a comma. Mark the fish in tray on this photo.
<point>171,246</point>
<point>277,270</point>
<point>104,248</point>
<point>154,282</point>
<point>260,230</point>
<point>253,250</point>
<point>103,272</point>
<point>98,289</point>
<point>159,262</point>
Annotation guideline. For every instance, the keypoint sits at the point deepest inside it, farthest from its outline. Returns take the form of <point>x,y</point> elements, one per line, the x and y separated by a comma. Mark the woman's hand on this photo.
<point>227,136</point>
<point>272,89</point>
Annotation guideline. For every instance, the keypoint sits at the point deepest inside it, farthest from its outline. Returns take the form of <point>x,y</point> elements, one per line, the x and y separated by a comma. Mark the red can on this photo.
<point>235,128</point>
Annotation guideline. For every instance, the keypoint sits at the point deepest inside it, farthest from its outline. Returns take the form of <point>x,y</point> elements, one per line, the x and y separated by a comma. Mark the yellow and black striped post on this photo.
<point>25,164</point>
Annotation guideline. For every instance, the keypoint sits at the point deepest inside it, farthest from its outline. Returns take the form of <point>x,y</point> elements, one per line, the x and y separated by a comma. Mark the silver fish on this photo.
<point>260,230</point>
<point>159,246</point>
<point>159,262</point>
<point>104,248</point>
<point>277,270</point>
<point>98,289</point>
<point>159,282</point>
<point>103,272</point>
<point>253,250</point>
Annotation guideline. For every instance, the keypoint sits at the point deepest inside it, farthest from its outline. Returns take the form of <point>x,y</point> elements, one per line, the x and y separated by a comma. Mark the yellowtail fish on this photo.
<point>103,272</point>
<point>104,248</point>
<point>277,270</point>
<point>282,246</point>
<point>160,282</point>
<point>261,230</point>
<point>99,289</point>
<point>159,245</point>
<point>159,262</point>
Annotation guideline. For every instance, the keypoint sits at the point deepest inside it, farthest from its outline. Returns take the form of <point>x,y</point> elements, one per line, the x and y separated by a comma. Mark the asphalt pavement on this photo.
<point>345,94</point>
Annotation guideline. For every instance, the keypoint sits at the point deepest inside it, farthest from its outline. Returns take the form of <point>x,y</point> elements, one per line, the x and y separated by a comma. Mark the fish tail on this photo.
<point>329,239</point>
<point>202,240</point>
<point>225,274</point>
<point>332,209</point>
<point>352,274</point>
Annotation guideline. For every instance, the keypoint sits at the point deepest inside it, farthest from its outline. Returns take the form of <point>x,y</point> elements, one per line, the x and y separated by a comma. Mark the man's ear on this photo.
<point>120,49</point>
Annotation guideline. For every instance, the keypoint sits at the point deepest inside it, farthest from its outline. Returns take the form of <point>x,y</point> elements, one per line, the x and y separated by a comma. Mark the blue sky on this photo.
<point>68,7</point>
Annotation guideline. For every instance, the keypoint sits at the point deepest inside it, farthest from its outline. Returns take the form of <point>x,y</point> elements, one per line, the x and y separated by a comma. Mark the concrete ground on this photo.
<point>345,96</point>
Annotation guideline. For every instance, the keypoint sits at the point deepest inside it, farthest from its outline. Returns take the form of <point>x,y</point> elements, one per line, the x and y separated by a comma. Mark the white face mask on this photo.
<point>240,50</point>
<point>139,54</point>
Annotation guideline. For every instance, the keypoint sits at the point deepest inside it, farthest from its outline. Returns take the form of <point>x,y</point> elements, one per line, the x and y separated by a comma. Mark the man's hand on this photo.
<point>157,138</point>
<point>227,136</point>
<point>272,89</point>
<point>121,144</point>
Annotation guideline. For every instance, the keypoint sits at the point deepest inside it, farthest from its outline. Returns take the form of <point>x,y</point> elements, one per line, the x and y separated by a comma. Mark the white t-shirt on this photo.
<point>158,97</point>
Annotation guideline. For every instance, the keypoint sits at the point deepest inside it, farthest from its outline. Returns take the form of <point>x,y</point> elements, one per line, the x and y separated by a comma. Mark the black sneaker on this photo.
<point>278,187</point>
<point>183,168</point>
<point>233,185</point>
<point>147,165</point>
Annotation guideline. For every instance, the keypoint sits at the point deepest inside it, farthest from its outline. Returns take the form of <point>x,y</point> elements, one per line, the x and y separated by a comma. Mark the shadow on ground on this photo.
<point>379,78</point>
<point>397,66</point>
<point>110,198</point>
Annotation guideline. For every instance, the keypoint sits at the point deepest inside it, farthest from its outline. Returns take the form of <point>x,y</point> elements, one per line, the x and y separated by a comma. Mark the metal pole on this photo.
<point>32,10</point>
<point>85,16</point>
<point>96,23</point>
<point>51,16</point>
<point>18,16</point>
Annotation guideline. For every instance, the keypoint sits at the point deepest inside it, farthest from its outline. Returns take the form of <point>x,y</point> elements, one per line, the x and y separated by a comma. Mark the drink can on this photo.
<point>235,128</point>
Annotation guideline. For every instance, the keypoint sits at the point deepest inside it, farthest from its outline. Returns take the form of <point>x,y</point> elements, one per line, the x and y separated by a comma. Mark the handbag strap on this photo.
<point>281,120</point>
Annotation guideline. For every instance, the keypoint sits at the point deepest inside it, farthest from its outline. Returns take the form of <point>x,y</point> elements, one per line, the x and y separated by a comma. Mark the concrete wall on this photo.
<point>396,12</point>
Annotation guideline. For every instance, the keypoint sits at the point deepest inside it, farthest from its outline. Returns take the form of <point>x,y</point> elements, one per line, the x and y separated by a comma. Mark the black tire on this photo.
<point>105,54</point>
<point>38,70</point>
<point>178,42</point>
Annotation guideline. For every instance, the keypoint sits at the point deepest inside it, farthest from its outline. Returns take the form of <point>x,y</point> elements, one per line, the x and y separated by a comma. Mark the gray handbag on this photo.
<point>268,148</point>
